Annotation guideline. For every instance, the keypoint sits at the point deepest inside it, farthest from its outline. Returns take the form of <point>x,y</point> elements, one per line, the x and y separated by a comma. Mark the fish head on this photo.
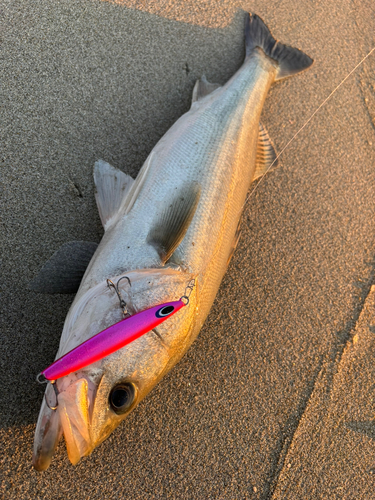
<point>91,403</point>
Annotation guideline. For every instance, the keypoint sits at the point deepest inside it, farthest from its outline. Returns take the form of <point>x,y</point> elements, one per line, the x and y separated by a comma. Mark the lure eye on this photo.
<point>164,311</point>
<point>122,397</point>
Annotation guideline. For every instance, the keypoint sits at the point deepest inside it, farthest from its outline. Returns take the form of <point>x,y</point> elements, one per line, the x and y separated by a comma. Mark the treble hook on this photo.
<point>53,383</point>
<point>189,288</point>
<point>116,288</point>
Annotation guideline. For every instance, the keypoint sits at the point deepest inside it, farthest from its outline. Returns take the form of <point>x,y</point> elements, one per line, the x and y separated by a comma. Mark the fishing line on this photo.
<point>308,121</point>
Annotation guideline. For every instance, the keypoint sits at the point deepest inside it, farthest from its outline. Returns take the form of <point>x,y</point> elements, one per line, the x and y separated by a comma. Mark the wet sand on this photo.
<point>276,397</point>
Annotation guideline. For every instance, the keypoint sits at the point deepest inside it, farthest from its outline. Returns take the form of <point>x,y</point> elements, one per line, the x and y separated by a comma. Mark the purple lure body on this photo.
<point>111,339</point>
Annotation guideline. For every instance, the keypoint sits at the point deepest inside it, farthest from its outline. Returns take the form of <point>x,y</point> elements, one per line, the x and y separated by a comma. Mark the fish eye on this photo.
<point>164,311</point>
<point>122,397</point>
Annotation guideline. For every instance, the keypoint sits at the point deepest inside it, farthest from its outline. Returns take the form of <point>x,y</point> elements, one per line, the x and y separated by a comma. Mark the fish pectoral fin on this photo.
<point>266,155</point>
<point>63,272</point>
<point>202,88</point>
<point>171,225</point>
<point>112,187</point>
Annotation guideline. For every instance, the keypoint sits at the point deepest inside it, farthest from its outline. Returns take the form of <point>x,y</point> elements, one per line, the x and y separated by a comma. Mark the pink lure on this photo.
<point>111,339</point>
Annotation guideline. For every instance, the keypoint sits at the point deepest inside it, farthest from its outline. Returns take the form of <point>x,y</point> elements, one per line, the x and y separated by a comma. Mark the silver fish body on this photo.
<point>200,171</point>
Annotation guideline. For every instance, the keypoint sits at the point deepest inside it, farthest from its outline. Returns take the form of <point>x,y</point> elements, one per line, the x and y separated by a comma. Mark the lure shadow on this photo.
<point>367,428</point>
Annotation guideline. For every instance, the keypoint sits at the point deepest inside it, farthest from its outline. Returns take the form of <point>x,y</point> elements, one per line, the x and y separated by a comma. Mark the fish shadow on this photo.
<point>139,87</point>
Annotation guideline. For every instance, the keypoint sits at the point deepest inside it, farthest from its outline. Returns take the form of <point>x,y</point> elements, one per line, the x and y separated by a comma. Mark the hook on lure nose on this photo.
<point>41,379</point>
<point>116,288</point>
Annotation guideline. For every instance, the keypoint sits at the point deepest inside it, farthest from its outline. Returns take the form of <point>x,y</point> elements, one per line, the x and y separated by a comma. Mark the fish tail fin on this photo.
<point>289,59</point>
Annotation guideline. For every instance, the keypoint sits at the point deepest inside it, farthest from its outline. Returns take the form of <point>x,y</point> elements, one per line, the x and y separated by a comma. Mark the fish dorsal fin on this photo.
<point>266,154</point>
<point>112,187</point>
<point>137,185</point>
<point>171,225</point>
<point>63,272</point>
<point>202,88</point>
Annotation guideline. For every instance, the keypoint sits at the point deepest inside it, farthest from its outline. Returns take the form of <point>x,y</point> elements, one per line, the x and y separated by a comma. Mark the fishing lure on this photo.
<point>114,337</point>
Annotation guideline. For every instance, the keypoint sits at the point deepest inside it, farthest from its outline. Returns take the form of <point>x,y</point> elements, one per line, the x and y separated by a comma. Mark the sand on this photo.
<point>276,397</point>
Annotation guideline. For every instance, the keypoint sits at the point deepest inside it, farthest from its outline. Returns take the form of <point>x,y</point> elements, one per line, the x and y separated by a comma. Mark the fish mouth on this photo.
<point>72,418</point>
<point>47,435</point>
<point>75,410</point>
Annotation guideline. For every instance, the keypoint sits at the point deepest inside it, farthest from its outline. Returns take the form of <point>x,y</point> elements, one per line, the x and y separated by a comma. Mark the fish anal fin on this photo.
<point>112,187</point>
<point>266,154</point>
<point>202,88</point>
<point>63,272</point>
<point>171,225</point>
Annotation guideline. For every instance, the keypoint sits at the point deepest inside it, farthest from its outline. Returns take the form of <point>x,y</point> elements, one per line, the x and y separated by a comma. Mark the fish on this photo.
<point>176,223</point>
